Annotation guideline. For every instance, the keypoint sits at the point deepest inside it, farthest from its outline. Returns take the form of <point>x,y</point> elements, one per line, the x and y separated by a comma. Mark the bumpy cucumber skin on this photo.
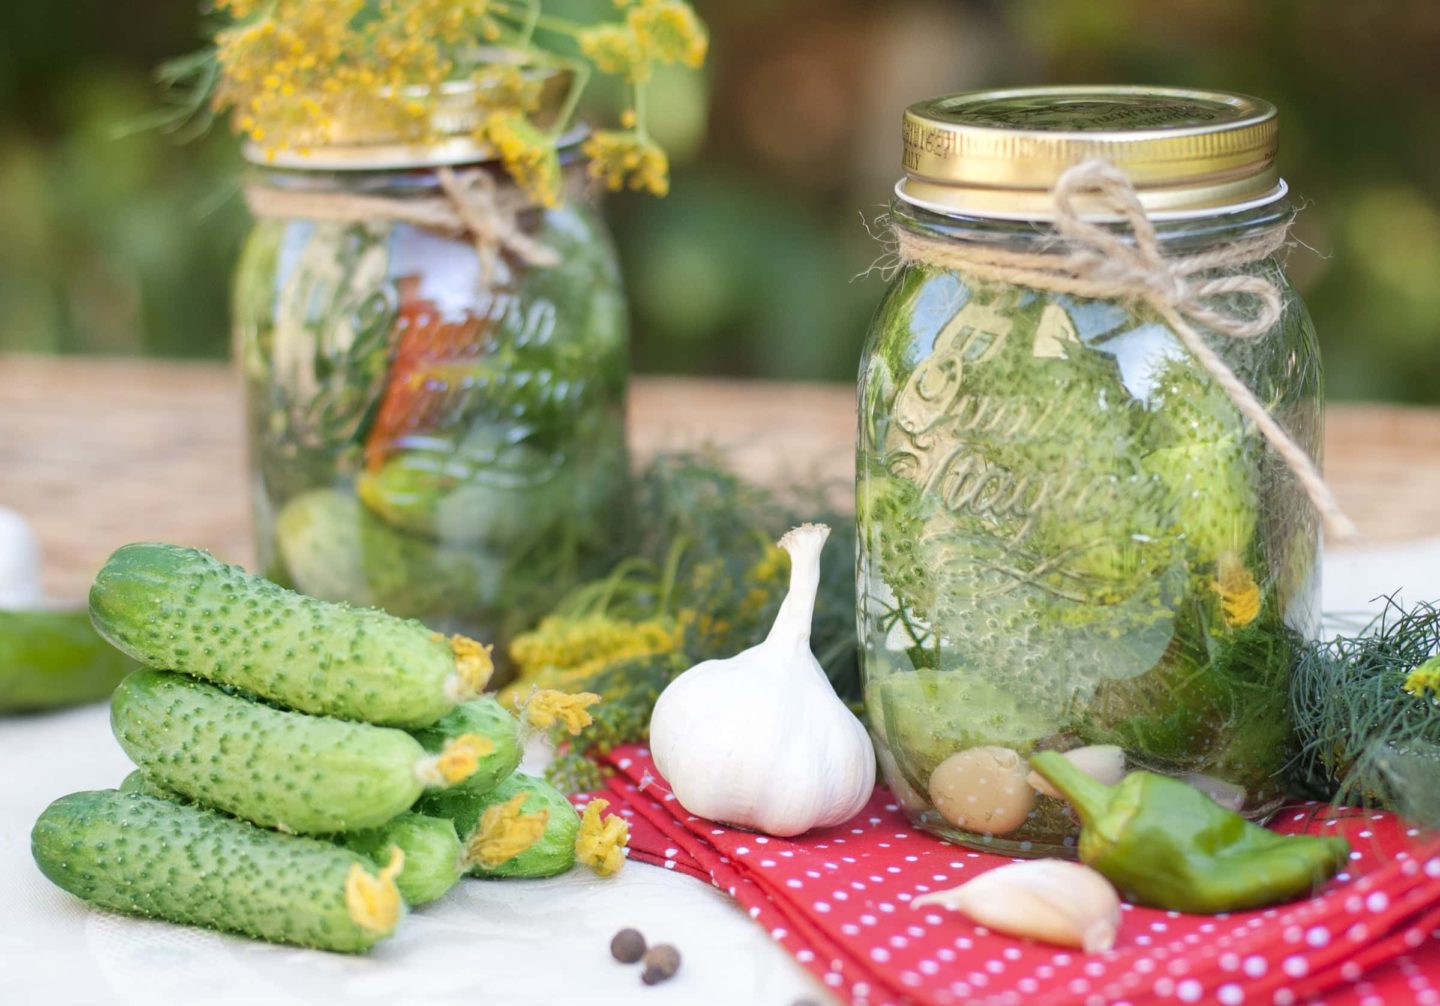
<point>182,609</point>
<point>432,853</point>
<point>138,854</point>
<point>431,846</point>
<point>552,854</point>
<point>280,769</point>
<point>50,659</point>
<point>486,718</point>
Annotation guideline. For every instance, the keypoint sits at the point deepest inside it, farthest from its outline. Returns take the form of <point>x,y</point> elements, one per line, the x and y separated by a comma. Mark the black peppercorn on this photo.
<point>661,963</point>
<point>628,946</point>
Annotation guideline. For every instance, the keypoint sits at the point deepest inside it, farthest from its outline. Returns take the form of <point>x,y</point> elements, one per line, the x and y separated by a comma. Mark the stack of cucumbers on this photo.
<point>306,770</point>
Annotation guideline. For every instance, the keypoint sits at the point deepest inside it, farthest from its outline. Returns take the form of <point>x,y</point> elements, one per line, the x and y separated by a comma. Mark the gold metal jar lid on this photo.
<point>998,153</point>
<point>453,113</point>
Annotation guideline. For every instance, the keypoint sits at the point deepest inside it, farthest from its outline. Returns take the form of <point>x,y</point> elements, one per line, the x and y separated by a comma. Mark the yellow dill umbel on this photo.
<point>1423,679</point>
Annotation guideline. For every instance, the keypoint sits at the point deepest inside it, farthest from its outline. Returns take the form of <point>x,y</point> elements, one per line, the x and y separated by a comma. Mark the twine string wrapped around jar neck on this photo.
<point>470,205</point>
<point>1103,263</point>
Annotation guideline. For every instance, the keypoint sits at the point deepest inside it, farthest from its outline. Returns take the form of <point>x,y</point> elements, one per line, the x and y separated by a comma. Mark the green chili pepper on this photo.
<point>1165,844</point>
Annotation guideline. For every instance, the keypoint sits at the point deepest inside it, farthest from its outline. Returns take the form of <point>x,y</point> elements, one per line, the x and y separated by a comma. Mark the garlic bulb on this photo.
<point>1045,899</point>
<point>760,740</point>
<point>19,563</point>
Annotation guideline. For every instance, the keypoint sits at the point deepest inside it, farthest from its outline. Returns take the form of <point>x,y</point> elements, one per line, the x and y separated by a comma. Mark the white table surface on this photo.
<point>487,943</point>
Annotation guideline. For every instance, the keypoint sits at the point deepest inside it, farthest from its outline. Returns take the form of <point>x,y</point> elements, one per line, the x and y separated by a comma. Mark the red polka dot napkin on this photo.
<point>838,900</point>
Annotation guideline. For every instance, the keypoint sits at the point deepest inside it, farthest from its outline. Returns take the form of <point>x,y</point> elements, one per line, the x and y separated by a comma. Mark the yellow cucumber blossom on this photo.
<point>625,158</point>
<point>600,844</point>
<point>505,832</point>
<point>1425,678</point>
<point>374,903</point>
<point>547,707</point>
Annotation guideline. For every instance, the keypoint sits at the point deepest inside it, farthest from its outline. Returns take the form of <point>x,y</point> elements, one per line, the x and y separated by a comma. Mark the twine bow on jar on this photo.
<point>470,205</point>
<point>1105,263</point>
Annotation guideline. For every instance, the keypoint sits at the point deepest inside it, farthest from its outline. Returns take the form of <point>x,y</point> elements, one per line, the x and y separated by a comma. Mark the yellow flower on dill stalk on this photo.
<point>625,158</point>
<point>547,707</point>
<point>615,49</point>
<point>527,153</point>
<point>1425,678</point>
<point>669,32</point>
<point>568,652</point>
<point>600,844</point>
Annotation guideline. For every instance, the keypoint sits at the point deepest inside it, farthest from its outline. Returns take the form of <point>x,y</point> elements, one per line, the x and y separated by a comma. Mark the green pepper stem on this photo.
<point>1089,796</point>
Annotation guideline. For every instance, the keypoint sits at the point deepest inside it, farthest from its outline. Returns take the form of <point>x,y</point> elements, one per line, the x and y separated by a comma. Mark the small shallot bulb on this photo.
<point>1045,899</point>
<point>983,790</point>
<point>1105,762</point>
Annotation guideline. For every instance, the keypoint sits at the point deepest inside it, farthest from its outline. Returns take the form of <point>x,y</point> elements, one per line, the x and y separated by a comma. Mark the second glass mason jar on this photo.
<point>435,428</point>
<point>1069,535</point>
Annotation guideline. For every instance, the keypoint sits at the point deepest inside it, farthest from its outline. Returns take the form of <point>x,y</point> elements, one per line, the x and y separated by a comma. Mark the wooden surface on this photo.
<point>100,452</point>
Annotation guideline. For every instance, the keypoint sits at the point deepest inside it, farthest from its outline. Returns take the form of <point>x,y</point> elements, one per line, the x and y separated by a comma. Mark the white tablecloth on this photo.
<point>496,943</point>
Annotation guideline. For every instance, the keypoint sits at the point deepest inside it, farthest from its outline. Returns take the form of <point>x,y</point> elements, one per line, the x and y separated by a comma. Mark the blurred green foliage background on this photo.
<point>118,243</point>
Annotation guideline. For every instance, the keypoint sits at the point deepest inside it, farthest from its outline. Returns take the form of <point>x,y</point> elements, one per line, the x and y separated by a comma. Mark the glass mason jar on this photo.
<point>436,426</point>
<point>1069,536</point>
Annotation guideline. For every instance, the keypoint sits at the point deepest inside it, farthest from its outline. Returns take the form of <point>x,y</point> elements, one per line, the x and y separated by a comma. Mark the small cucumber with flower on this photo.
<point>525,827</point>
<point>483,718</point>
<point>280,769</point>
<point>134,853</point>
<point>181,609</point>
<point>430,845</point>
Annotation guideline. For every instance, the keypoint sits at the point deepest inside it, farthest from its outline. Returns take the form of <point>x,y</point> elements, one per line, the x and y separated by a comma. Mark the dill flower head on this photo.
<point>626,158</point>
<point>298,74</point>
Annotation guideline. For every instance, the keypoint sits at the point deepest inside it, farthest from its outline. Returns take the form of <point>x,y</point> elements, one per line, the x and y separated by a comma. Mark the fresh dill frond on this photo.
<point>1362,737</point>
<point>700,578</point>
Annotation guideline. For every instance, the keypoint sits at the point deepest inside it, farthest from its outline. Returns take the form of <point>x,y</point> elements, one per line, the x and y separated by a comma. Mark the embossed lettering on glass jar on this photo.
<point>436,407</point>
<point>1070,532</point>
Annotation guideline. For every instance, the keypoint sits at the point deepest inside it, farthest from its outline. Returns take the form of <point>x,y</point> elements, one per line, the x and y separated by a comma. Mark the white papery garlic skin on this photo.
<point>1045,899</point>
<point>760,740</point>
<point>19,563</point>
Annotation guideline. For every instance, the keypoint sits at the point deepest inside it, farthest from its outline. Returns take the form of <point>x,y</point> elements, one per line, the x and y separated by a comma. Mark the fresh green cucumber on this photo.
<point>335,549</point>
<point>182,609</point>
<point>281,769</point>
<point>430,845</point>
<point>54,658</point>
<point>551,853</point>
<point>138,854</point>
<point>485,718</point>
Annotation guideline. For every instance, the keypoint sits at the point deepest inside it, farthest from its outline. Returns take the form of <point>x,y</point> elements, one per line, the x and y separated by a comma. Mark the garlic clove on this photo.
<point>1105,762</point>
<point>1226,794</point>
<point>1044,899</point>
<point>983,789</point>
<point>19,563</point>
